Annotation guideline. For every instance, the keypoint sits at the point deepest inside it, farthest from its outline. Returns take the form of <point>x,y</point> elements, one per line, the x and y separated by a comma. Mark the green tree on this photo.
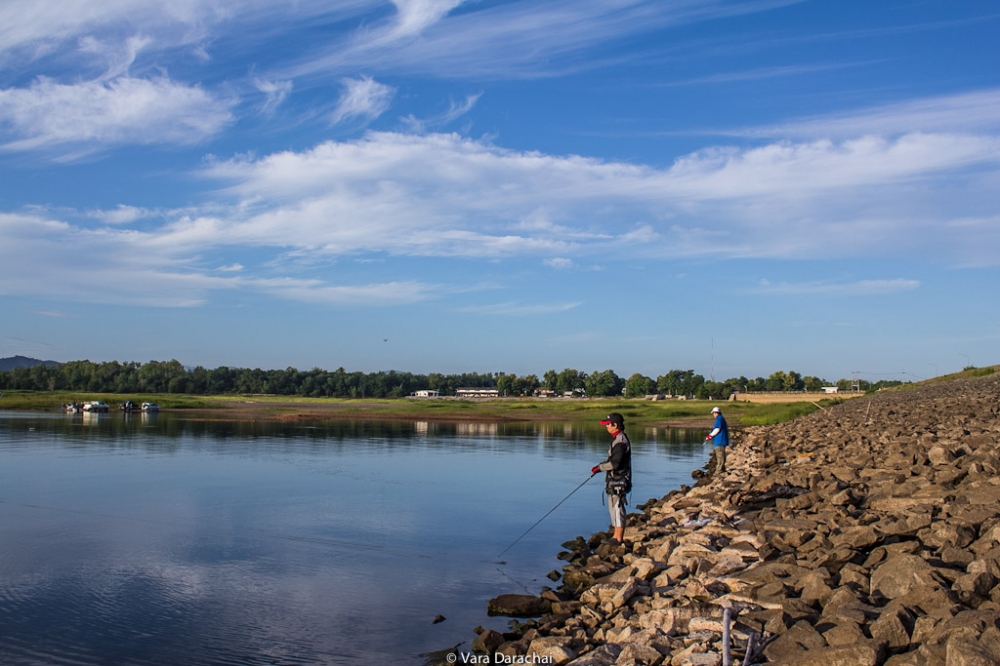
<point>793,381</point>
<point>679,382</point>
<point>776,381</point>
<point>603,384</point>
<point>507,384</point>
<point>813,384</point>
<point>712,391</point>
<point>570,380</point>
<point>551,380</point>
<point>639,385</point>
<point>526,385</point>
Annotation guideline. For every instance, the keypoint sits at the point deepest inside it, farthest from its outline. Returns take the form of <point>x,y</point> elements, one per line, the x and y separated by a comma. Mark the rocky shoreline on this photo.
<point>867,534</point>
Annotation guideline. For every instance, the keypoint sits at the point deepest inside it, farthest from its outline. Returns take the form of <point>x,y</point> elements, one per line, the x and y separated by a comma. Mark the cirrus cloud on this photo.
<point>830,288</point>
<point>93,114</point>
<point>363,98</point>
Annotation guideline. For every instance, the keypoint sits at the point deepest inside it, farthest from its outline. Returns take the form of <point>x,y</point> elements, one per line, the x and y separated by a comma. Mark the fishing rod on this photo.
<point>543,518</point>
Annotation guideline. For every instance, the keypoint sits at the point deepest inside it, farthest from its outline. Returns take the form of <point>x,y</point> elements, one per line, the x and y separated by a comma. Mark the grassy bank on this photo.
<point>49,401</point>
<point>693,412</point>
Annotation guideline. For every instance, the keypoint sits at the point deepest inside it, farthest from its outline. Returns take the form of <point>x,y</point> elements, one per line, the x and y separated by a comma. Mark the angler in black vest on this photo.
<point>618,480</point>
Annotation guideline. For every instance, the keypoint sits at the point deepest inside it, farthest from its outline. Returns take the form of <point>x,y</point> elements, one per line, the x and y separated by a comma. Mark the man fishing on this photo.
<point>618,480</point>
<point>720,438</point>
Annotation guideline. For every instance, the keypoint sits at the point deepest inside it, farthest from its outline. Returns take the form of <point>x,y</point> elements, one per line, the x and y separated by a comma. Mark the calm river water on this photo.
<point>169,540</point>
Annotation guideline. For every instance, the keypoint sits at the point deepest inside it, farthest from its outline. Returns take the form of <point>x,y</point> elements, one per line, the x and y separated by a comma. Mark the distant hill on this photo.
<point>12,362</point>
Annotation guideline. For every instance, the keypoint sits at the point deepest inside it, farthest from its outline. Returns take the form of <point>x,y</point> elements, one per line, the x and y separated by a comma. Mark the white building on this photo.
<point>477,393</point>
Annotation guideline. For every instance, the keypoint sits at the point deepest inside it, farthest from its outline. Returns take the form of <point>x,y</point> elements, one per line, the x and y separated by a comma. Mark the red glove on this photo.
<point>708,438</point>
<point>595,470</point>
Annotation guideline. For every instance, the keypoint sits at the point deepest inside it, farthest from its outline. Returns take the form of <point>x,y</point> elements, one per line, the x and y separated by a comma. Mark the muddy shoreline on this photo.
<point>867,534</point>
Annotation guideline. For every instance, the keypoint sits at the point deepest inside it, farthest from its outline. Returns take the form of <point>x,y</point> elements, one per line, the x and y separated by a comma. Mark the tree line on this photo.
<point>173,377</point>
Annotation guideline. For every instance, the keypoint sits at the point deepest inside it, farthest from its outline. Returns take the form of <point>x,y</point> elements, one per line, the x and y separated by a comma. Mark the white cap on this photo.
<point>715,409</point>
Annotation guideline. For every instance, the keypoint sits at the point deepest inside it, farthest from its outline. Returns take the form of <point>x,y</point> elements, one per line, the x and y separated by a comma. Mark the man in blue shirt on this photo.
<point>720,437</point>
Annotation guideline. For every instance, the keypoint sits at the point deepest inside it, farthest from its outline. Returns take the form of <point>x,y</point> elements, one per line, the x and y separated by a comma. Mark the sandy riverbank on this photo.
<point>863,535</point>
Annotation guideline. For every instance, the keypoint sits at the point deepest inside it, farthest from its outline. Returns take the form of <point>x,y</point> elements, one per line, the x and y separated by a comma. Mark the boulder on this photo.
<point>965,651</point>
<point>622,596</point>
<point>902,574</point>
<point>865,653</point>
<point>634,653</point>
<point>517,605</point>
<point>487,642</point>
<point>599,594</point>
<point>893,628</point>
<point>795,642</point>
<point>844,634</point>
<point>552,650</point>
<point>605,655</point>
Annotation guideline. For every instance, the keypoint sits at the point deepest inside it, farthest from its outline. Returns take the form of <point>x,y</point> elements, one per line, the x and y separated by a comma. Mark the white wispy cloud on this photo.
<point>93,114</point>
<point>443,195</point>
<point>275,93</point>
<point>363,98</point>
<point>37,29</point>
<point>519,309</point>
<point>56,314</point>
<point>455,111</point>
<point>122,214</point>
<point>830,288</point>
<point>761,73</point>
<point>414,16</point>
<point>316,291</point>
<point>969,112</point>
<point>515,39</point>
<point>45,257</point>
<point>119,55</point>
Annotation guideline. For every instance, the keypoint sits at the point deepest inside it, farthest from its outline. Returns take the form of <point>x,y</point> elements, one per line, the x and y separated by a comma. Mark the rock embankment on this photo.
<point>862,535</point>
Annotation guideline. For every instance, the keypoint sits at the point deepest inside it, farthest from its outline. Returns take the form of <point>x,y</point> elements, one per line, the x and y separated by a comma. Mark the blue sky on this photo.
<point>730,186</point>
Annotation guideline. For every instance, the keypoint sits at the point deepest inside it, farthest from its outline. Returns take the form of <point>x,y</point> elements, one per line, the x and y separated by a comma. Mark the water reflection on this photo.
<point>169,539</point>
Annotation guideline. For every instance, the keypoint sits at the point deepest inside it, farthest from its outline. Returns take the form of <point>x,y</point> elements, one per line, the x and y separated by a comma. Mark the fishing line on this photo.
<point>497,558</point>
<point>514,580</point>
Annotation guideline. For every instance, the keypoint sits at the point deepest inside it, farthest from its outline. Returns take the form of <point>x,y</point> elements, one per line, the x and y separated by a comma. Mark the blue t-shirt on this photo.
<point>722,437</point>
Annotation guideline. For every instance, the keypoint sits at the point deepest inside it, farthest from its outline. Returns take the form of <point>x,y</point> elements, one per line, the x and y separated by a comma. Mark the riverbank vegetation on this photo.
<point>171,377</point>
<point>695,413</point>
